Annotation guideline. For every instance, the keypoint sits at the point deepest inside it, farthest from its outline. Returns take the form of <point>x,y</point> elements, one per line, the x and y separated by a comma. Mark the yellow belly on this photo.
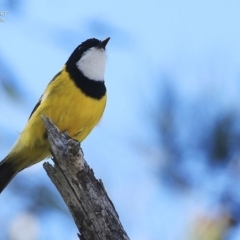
<point>68,107</point>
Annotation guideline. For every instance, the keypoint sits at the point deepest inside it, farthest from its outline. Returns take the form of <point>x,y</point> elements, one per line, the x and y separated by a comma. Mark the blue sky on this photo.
<point>196,43</point>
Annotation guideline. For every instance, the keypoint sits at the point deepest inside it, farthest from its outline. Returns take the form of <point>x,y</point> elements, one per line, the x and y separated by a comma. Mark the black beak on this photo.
<point>103,43</point>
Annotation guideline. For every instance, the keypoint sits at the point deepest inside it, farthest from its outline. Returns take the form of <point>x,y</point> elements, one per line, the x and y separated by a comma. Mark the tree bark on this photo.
<point>85,196</point>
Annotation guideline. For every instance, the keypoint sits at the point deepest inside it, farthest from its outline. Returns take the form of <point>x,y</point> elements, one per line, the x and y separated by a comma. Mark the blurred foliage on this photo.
<point>207,227</point>
<point>189,138</point>
<point>39,197</point>
<point>12,5</point>
<point>222,139</point>
<point>9,83</point>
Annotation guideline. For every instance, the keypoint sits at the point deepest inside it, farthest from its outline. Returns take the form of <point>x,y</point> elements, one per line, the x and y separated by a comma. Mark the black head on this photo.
<point>86,67</point>
<point>85,46</point>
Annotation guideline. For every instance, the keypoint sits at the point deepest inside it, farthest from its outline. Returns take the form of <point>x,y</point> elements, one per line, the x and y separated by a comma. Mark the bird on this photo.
<point>74,100</point>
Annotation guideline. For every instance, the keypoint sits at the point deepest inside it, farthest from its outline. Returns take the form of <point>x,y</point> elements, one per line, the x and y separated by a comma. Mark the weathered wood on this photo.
<point>85,196</point>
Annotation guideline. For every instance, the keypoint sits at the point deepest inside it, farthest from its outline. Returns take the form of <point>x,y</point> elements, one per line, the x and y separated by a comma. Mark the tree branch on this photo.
<point>92,210</point>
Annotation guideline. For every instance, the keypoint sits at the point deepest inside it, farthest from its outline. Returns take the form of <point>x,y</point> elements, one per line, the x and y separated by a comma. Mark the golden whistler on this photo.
<point>74,100</point>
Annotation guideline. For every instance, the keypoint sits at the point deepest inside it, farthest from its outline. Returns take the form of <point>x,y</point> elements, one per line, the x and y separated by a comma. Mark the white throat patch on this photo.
<point>92,64</point>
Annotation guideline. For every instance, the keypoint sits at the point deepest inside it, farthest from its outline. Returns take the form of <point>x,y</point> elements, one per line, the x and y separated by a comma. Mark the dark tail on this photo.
<point>7,172</point>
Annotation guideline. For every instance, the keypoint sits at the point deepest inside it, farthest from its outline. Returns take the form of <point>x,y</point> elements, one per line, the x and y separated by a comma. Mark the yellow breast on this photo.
<point>68,107</point>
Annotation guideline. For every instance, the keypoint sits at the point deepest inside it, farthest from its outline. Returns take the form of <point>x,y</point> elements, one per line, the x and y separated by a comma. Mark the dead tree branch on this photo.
<point>85,196</point>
